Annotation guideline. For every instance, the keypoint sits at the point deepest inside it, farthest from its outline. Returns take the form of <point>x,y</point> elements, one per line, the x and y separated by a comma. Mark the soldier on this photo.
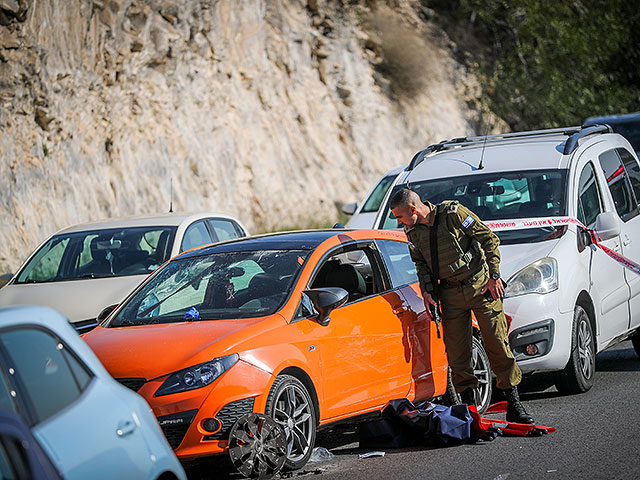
<point>465,280</point>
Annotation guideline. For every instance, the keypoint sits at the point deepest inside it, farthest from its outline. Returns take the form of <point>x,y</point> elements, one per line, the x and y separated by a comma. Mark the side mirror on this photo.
<point>5,278</point>
<point>105,313</point>
<point>325,300</point>
<point>350,208</point>
<point>607,225</point>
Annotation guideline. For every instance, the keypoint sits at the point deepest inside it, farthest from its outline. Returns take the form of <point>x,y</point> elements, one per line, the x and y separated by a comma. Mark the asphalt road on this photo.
<point>597,437</point>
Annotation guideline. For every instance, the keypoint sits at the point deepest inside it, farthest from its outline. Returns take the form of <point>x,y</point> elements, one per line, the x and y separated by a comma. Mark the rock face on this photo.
<point>271,111</point>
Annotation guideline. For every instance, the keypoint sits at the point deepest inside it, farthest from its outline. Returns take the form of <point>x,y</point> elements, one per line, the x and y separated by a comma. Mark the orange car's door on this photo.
<point>424,349</point>
<point>362,350</point>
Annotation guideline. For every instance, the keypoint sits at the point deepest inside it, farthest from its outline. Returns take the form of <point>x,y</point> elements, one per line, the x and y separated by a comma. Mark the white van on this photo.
<point>567,299</point>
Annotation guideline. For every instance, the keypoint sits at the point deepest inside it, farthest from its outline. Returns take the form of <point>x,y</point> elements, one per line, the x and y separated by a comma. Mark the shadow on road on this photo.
<point>618,360</point>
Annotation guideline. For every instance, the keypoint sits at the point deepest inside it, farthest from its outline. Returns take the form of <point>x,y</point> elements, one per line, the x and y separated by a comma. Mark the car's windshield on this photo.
<point>500,196</point>
<point>99,253</point>
<point>214,287</point>
<point>375,199</point>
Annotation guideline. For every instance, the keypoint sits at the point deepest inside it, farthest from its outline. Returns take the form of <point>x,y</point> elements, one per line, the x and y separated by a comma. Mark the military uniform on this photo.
<point>464,271</point>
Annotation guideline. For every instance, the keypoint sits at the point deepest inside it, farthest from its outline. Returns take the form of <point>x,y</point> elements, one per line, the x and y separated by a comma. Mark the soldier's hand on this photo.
<point>428,300</point>
<point>495,287</point>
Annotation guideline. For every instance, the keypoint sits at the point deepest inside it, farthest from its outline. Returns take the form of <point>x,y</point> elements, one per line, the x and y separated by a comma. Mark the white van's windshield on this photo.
<point>500,196</point>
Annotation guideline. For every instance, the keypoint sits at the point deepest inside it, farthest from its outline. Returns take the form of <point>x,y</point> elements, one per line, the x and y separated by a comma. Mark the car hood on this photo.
<point>152,351</point>
<point>515,257</point>
<point>77,299</point>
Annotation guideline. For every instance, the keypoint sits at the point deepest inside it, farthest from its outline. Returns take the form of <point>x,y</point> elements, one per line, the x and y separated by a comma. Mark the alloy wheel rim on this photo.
<point>292,412</point>
<point>257,446</point>
<point>483,373</point>
<point>585,349</point>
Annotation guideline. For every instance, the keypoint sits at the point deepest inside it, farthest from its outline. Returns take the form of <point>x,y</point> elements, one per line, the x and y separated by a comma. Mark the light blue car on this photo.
<point>89,424</point>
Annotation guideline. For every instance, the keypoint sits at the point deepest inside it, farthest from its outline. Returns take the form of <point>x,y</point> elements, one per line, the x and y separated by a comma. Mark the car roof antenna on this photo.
<point>484,144</point>
<point>171,195</point>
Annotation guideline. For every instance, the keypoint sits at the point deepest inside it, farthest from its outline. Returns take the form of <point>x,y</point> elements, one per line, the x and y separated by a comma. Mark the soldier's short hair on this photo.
<point>404,196</point>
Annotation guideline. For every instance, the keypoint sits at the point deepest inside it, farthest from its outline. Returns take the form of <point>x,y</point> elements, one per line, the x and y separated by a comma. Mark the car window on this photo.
<point>633,170</point>
<point>195,236</point>
<point>589,198</point>
<point>224,229</point>
<point>99,253</point>
<point>372,204</point>
<point>497,196</point>
<point>618,183</point>
<point>7,401</point>
<point>44,370</point>
<point>216,286</point>
<point>351,270</point>
<point>397,258</point>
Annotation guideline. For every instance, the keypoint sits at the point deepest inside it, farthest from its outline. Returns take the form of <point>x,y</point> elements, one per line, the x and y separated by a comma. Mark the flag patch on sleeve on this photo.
<point>468,221</point>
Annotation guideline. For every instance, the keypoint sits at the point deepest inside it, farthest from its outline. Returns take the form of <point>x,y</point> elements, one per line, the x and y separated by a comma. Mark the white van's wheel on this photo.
<point>578,375</point>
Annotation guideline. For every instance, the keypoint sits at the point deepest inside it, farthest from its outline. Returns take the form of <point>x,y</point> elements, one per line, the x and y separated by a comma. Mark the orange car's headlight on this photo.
<point>197,376</point>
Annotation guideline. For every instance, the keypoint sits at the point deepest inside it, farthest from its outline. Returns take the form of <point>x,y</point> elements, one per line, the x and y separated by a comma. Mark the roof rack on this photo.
<point>574,134</point>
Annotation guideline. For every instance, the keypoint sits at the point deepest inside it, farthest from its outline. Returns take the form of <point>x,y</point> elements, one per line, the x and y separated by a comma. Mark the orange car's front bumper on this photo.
<point>240,390</point>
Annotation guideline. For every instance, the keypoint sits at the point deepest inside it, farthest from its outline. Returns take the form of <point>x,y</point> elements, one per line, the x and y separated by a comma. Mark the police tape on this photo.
<point>518,224</point>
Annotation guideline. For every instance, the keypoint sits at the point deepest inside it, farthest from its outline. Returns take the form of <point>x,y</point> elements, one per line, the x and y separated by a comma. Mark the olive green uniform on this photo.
<point>464,271</point>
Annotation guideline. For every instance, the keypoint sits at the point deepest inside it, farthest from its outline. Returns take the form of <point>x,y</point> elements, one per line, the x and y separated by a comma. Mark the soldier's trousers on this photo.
<point>457,303</point>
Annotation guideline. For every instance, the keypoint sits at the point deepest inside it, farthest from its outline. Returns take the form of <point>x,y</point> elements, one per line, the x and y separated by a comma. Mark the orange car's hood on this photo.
<point>152,351</point>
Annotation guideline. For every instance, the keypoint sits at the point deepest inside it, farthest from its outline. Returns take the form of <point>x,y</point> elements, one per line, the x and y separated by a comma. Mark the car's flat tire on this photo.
<point>291,406</point>
<point>578,375</point>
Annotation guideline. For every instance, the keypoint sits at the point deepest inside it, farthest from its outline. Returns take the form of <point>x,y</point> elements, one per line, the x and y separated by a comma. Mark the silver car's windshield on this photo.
<point>215,286</point>
<point>99,253</point>
<point>500,196</point>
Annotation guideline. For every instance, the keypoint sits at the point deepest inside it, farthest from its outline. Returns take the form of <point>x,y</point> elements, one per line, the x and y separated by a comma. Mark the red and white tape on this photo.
<point>517,224</point>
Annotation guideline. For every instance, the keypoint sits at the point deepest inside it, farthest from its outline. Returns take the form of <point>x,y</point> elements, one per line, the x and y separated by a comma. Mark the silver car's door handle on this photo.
<point>125,428</point>
<point>626,240</point>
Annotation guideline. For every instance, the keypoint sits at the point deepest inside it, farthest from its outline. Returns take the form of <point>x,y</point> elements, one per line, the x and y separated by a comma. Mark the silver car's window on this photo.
<point>372,203</point>
<point>500,196</point>
<point>51,377</point>
<point>99,253</point>
<point>589,199</point>
<point>619,186</point>
<point>213,287</point>
<point>224,229</point>
<point>195,236</point>
<point>633,170</point>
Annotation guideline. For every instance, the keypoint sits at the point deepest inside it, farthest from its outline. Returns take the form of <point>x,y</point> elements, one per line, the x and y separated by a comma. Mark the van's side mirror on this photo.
<point>350,208</point>
<point>5,278</point>
<point>325,300</point>
<point>607,225</point>
<point>106,312</point>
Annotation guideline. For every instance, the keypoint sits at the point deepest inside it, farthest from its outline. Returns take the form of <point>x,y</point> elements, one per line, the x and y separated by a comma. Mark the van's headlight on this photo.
<point>540,276</point>
<point>197,376</point>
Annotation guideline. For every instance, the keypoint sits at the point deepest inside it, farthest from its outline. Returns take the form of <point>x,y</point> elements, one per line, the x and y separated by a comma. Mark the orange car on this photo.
<point>307,327</point>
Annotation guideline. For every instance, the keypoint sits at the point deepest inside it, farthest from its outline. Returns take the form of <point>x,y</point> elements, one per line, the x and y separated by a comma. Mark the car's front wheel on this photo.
<point>290,405</point>
<point>577,376</point>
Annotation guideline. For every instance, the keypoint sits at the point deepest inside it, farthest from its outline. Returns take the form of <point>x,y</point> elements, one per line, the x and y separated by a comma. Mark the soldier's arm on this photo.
<point>473,227</point>
<point>424,273</point>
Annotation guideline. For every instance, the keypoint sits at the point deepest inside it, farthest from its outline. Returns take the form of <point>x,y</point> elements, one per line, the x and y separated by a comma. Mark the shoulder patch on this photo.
<point>468,221</point>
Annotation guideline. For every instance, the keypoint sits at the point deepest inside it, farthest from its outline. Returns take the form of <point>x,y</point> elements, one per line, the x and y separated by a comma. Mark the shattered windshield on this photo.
<point>113,252</point>
<point>501,196</point>
<point>214,287</point>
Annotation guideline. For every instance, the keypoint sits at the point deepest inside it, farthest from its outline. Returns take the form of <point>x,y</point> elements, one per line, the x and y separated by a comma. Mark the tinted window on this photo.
<point>6,398</point>
<point>589,200</point>
<point>372,204</point>
<point>632,169</point>
<point>351,270</point>
<point>99,253</point>
<point>618,184</point>
<point>43,368</point>
<point>398,260</point>
<point>196,235</point>
<point>224,229</point>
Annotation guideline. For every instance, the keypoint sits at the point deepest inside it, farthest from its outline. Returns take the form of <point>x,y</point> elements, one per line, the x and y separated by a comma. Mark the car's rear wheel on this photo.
<point>290,405</point>
<point>482,371</point>
<point>577,376</point>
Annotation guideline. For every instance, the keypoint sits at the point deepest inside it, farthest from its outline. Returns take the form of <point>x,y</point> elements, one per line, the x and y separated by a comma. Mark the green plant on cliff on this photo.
<point>550,63</point>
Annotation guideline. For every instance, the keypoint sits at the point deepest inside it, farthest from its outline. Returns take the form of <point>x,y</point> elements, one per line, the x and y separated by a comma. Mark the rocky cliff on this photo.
<point>272,111</point>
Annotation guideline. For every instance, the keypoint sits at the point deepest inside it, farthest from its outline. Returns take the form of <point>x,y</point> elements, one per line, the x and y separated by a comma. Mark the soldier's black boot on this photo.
<point>468,396</point>
<point>515,411</point>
